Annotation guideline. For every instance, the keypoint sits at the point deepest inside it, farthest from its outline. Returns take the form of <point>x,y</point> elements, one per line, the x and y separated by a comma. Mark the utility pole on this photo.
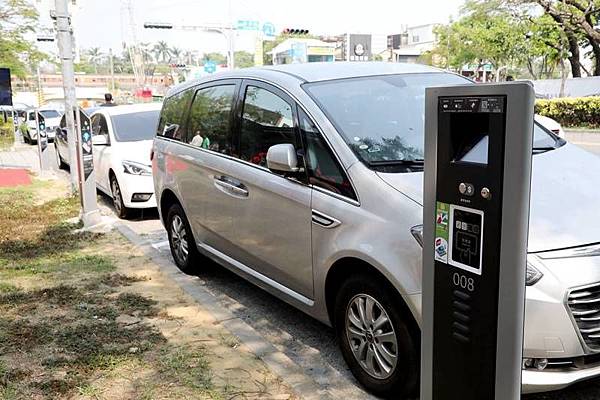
<point>112,71</point>
<point>90,214</point>
<point>65,49</point>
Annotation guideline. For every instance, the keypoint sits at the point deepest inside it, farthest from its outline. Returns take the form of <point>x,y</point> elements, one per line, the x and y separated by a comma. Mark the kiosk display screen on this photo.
<point>5,88</point>
<point>466,236</point>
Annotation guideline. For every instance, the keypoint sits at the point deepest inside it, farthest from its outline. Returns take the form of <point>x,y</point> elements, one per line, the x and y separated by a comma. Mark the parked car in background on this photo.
<point>61,146</point>
<point>550,124</point>
<point>307,180</point>
<point>122,140</point>
<point>51,121</point>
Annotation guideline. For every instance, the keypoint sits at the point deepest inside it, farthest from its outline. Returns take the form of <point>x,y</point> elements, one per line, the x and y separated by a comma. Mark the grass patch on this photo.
<point>188,367</point>
<point>134,304</point>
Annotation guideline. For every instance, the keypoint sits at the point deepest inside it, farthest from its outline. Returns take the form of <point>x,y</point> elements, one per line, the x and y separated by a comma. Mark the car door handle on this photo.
<point>231,185</point>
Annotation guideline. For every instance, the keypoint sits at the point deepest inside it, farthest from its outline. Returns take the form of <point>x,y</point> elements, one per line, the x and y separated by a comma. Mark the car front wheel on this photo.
<point>120,208</point>
<point>181,240</point>
<point>375,339</point>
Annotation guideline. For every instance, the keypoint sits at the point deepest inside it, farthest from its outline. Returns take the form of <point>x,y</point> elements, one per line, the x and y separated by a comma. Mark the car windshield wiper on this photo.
<point>406,163</point>
<point>543,149</point>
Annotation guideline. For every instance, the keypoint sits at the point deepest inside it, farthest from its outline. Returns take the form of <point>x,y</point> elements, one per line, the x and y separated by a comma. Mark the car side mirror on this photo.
<point>282,158</point>
<point>99,140</point>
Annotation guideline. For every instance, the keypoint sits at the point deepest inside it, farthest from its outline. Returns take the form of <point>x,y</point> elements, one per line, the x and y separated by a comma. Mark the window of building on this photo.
<point>210,116</point>
<point>322,167</point>
<point>267,120</point>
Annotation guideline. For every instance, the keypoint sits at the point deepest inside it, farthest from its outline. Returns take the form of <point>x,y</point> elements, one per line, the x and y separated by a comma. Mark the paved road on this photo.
<point>589,141</point>
<point>307,342</point>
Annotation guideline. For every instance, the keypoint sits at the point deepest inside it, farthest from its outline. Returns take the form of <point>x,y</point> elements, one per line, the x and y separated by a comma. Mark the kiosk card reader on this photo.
<point>478,147</point>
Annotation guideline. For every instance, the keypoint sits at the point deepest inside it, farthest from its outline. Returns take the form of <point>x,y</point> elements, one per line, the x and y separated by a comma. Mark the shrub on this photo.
<point>578,111</point>
<point>7,134</point>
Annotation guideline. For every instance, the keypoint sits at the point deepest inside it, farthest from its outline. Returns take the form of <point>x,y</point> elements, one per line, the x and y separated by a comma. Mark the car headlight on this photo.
<point>135,168</point>
<point>533,275</point>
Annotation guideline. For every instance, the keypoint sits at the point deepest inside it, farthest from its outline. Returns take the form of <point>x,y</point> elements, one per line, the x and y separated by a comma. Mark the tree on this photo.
<point>217,58</point>
<point>162,52</point>
<point>243,59</point>
<point>17,19</point>
<point>578,19</point>
<point>95,57</point>
<point>175,53</point>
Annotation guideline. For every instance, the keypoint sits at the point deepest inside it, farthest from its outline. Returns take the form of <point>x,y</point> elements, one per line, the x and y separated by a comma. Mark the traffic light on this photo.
<point>158,25</point>
<point>294,31</point>
<point>175,65</point>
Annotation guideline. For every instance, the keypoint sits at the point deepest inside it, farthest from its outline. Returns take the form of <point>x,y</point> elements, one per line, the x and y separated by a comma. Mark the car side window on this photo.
<point>100,126</point>
<point>209,120</point>
<point>322,167</point>
<point>169,124</point>
<point>267,120</point>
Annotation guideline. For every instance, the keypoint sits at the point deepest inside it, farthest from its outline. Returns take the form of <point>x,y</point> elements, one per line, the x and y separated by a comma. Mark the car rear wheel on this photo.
<point>181,240</point>
<point>120,208</point>
<point>374,338</point>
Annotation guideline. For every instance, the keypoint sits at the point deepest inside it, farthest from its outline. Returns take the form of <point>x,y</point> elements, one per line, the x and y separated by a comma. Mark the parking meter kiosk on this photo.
<point>478,147</point>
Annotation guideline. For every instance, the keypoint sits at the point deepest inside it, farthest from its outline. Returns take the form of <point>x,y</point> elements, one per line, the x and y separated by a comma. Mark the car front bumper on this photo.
<point>136,184</point>
<point>551,329</point>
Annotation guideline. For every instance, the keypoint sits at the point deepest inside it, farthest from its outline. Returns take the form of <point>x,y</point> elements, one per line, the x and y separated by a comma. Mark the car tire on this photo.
<point>120,209</point>
<point>382,355</point>
<point>181,240</point>
<point>59,161</point>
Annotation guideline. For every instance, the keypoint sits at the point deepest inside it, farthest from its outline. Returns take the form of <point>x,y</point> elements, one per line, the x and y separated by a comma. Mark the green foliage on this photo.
<point>217,58</point>
<point>7,134</point>
<point>504,33</point>
<point>579,111</point>
<point>18,18</point>
<point>243,59</point>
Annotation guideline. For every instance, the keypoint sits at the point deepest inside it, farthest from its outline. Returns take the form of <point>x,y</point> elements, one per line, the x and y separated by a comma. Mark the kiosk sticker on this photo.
<point>441,232</point>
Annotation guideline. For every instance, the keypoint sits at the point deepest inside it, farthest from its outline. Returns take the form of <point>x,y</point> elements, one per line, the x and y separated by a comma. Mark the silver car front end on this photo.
<point>562,320</point>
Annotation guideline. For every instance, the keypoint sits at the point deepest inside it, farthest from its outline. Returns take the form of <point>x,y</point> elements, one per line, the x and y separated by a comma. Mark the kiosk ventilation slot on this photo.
<point>584,304</point>
<point>461,317</point>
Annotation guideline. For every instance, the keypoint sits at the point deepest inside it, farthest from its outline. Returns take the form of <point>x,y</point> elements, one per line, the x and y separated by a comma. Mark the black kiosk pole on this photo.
<point>478,147</point>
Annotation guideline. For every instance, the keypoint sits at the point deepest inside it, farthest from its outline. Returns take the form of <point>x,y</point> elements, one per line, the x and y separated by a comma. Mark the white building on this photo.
<point>411,43</point>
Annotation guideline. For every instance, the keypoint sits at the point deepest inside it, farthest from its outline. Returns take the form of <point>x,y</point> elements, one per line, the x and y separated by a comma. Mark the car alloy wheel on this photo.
<point>371,336</point>
<point>179,239</point>
<point>116,192</point>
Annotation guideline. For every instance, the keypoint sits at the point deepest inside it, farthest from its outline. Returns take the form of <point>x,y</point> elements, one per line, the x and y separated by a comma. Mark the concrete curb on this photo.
<point>277,361</point>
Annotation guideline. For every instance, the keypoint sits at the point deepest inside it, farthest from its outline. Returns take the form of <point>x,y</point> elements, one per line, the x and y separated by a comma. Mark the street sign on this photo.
<point>268,29</point>
<point>247,25</point>
<point>210,67</point>
<point>5,88</point>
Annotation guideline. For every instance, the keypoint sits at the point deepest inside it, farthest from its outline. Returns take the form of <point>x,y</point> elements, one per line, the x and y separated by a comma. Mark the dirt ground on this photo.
<point>88,316</point>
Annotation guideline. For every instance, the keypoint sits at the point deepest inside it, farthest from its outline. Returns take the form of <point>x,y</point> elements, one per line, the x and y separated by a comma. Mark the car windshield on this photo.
<point>50,113</point>
<point>382,117</point>
<point>135,126</point>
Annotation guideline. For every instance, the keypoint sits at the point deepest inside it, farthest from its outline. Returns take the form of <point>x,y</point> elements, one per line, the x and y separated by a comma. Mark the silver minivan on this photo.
<point>307,179</point>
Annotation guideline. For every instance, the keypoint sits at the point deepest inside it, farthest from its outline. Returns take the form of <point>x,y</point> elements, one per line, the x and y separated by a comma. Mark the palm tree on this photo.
<point>162,51</point>
<point>176,54</point>
<point>95,55</point>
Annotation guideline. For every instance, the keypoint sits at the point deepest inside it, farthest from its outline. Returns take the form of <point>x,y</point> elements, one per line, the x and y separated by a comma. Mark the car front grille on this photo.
<point>584,304</point>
